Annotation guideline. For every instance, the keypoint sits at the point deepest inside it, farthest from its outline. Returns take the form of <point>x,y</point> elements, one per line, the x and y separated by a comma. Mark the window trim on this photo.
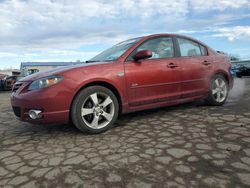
<point>206,52</point>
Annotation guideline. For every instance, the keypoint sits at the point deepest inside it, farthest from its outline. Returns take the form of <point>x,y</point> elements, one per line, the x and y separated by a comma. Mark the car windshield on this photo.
<point>115,51</point>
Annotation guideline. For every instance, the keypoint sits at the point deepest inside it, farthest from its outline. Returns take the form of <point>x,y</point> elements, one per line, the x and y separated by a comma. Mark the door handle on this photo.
<point>206,63</point>
<point>172,65</point>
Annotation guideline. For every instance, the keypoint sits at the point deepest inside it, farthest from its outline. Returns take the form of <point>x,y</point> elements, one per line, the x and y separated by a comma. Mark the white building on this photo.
<point>10,72</point>
<point>32,67</point>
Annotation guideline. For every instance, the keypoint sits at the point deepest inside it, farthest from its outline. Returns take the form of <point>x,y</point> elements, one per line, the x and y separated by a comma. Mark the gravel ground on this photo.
<point>189,145</point>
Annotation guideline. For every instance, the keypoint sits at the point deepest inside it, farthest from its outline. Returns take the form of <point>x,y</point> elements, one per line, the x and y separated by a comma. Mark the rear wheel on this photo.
<point>94,109</point>
<point>218,91</point>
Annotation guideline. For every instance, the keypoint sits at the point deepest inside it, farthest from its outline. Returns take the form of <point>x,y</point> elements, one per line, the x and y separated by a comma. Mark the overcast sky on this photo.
<point>70,30</point>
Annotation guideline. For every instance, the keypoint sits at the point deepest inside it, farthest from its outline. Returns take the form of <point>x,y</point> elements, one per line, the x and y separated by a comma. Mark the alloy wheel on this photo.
<point>97,110</point>
<point>219,90</point>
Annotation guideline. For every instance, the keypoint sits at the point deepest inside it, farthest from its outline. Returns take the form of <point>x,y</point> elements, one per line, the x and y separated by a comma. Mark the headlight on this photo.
<point>45,82</point>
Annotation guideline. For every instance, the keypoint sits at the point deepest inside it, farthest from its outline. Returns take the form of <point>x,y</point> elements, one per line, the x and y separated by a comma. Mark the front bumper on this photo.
<point>54,102</point>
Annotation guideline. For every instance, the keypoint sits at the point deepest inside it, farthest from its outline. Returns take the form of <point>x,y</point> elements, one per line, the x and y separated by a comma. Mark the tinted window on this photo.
<point>161,48</point>
<point>190,48</point>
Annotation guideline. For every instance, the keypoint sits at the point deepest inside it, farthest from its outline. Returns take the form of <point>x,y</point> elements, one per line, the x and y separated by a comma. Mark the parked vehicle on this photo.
<point>2,76</point>
<point>137,74</point>
<point>243,70</point>
<point>7,82</point>
<point>233,70</point>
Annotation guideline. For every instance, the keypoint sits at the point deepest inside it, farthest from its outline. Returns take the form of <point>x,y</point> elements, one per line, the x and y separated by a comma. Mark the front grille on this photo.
<point>17,111</point>
<point>16,87</point>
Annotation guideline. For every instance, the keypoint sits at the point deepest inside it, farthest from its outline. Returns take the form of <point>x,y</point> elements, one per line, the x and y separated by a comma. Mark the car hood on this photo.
<point>58,71</point>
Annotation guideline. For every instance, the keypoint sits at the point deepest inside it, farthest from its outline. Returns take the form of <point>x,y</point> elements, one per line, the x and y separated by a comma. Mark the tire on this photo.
<point>4,86</point>
<point>238,75</point>
<point>94,109</point>
<point>218,92</point>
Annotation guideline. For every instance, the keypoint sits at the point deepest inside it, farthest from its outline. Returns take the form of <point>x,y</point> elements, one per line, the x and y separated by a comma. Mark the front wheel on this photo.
<point>94,109</point>
<point>218,91</point>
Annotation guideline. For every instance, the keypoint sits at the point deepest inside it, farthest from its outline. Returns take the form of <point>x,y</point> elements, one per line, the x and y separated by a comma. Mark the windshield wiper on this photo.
<point>90,61</point>
<point>106,60</point>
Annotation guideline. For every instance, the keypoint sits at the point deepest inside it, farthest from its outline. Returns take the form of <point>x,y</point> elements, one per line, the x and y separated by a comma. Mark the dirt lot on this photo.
<point>189,145</point>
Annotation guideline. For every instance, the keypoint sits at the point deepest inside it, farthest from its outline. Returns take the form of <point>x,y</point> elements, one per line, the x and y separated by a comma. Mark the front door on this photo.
<point>156,79</point>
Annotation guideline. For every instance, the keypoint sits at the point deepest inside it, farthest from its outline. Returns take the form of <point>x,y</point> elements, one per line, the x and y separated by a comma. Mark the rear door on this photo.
<point>196,67</point>
<point>156,79</point>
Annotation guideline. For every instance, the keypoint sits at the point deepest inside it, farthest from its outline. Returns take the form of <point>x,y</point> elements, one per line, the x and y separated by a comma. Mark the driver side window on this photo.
<point>161,48</point>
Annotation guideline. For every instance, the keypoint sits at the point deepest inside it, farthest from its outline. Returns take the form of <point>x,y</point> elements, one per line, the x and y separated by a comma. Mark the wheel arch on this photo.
<point>108,85</point>
<point>222,73</point>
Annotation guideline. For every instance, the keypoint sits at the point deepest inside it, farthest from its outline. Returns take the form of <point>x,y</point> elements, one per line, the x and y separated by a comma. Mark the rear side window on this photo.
<point>190,48</point>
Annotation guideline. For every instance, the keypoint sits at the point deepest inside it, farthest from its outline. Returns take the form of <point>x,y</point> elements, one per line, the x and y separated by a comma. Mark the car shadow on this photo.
<point>121,121</point>
<point>155,111</point>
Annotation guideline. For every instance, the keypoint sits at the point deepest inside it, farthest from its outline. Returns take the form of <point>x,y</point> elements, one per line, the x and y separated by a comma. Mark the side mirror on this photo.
<point>143,54</point>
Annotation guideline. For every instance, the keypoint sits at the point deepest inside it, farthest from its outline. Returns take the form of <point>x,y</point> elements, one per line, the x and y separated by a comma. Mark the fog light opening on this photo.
<point>35,114</point>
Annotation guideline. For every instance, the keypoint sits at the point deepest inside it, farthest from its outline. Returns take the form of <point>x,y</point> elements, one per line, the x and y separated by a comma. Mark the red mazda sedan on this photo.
<point>137,74</point>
